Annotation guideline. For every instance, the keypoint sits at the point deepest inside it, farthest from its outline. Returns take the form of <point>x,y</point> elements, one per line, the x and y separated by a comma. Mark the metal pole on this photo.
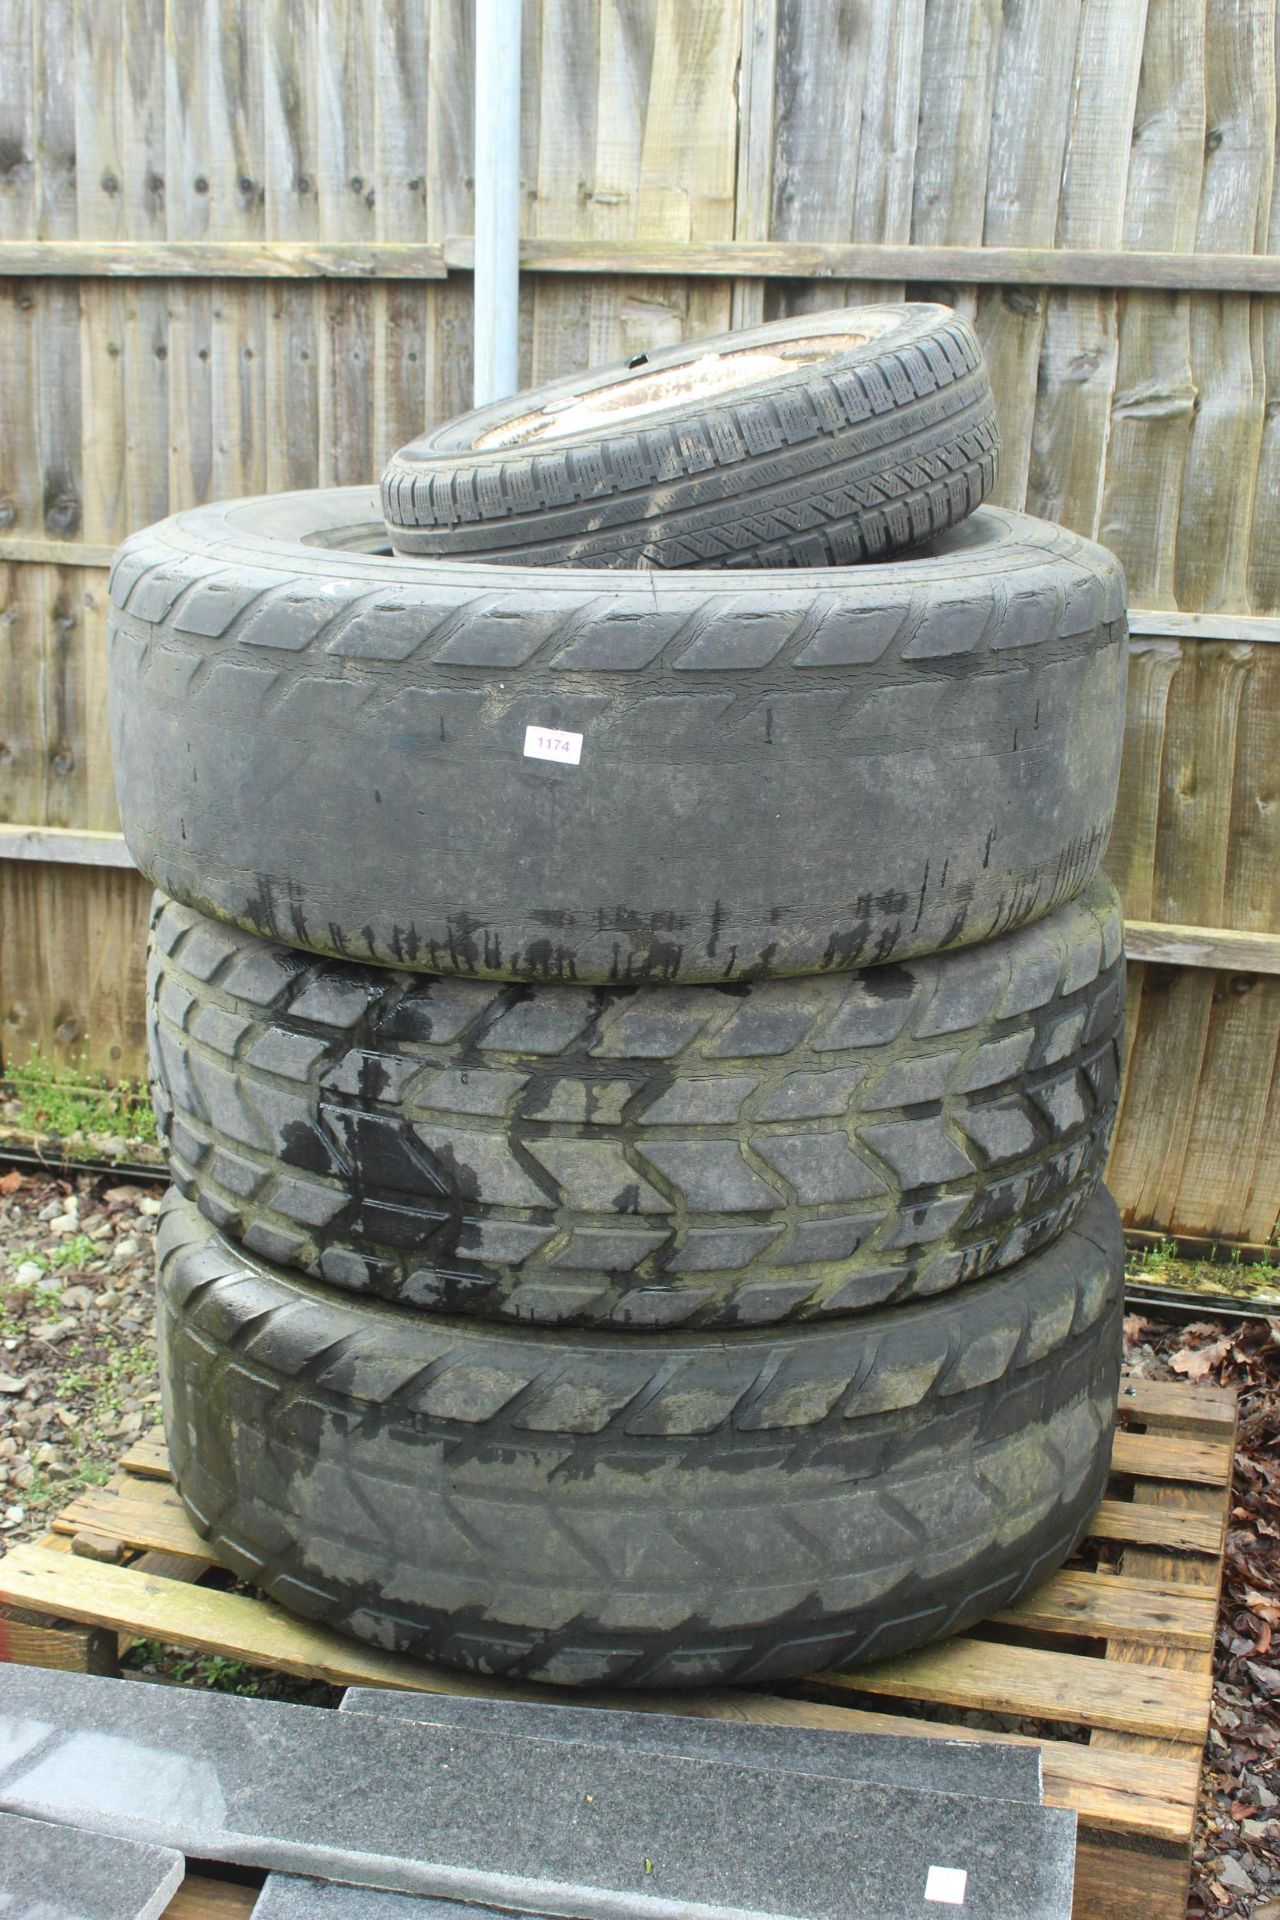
<point>497,268</point>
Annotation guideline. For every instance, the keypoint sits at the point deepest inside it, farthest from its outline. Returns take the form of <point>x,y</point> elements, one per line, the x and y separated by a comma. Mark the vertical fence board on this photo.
<point>753,194</point>
<point>20,317</point>
<point>402,53</point>
<point>568,61</point>
<point>21,715</point>
<point>1264,536</point>
<point>1226,329</point>
<point>859,93</point>
<point>1078,360</point>
<point>17,121</point>
<point>1154,394</point>
<point>1251,890</point>
<point>1029,123</point>
<point>1195,789</point>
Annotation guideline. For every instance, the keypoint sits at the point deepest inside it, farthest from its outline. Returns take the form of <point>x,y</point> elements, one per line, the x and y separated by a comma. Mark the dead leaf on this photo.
<point>10,1182</point>
<point>1196,1362</point>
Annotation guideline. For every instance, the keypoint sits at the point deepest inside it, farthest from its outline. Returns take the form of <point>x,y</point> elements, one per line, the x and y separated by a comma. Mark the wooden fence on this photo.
<point>233,257</point>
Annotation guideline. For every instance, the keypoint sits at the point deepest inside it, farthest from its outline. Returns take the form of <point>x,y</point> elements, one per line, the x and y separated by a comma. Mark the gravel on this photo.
<point>77,1352</point>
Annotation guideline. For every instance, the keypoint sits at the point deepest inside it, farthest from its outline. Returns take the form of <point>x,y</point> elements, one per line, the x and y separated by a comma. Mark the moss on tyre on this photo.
<point>640,1157</point>
<point>775,773</point>
<point>809,442</point>
<point>677,1510</point>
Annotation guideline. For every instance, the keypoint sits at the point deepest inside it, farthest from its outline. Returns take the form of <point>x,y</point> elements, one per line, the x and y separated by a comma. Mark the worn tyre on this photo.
<point>779,773</point>
<point>809,442</point>
<point>640,1157</point>
<point>676,1510</point>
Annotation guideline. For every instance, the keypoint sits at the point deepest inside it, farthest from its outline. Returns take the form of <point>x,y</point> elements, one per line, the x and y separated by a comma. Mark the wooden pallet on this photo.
<point>1107,1667</point>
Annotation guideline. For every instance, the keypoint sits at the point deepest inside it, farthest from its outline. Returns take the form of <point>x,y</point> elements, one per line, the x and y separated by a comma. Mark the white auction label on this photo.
<point>543,743</point>
<point>946,1885</point>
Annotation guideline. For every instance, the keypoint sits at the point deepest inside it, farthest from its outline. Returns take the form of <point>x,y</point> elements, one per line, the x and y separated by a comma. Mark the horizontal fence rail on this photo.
<point>723,259</point>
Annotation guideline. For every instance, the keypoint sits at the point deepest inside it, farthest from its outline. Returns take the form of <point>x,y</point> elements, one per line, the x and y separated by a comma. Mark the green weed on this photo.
<point>52,1098</point>
<point>75,1251</point>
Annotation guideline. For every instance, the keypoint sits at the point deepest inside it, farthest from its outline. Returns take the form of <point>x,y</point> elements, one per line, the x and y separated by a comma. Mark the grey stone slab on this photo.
<point>542,1826</point>
<point>887,1760</point>
<point>289,1896</point>
<point>52,1872</point>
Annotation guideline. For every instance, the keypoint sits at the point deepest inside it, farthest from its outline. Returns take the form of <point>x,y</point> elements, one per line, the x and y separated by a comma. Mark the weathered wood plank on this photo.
<point>1263,567</point>
<point>1078,362</point>
<point>957,87</point>
<point>1093,1604</point>
<point>570,88</point>
<point>852,85</point>
<point>202,1898</point>
<point>1067,1687</point>
<point>1030,118</point>
<point>1256,629</point>
<point>402,58</point>
<point>720,259</point>
<point>757,101</point>
<point>1250,895</point>
<point>1152,1526</point>
<point>148,1457</point>
<point>1228,1137</point>
<point>1179,1406</point>
<point>17,121</point>
<point>1168,1028</point>
<point>1156,1797</point>
<point>1173,1456</point>
<point>74,944</point>
<point>1151,1654</point>
<point>22,767</point>
<point>1220,477</point>
<point>951,266</point>
<point>1202,947</point>
<point>1154,397</point>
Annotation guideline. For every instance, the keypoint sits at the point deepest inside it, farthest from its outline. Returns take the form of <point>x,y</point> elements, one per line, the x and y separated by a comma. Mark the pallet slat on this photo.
<point>1132,1666</point>
<point>1124,1520</point>
<point>1160,1456</point>
<point>148,1457</point>
<point>1185,1407</point>
<point>1070,1687</point>
<point>1099,1604</point>
<point>201,1898</point>
<point>1157,1796</point>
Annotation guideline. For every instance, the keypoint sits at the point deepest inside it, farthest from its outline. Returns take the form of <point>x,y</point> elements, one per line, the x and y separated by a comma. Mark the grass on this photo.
<point>221,1675</point>
<point>48,1097</point>
<point>1230,1274</point>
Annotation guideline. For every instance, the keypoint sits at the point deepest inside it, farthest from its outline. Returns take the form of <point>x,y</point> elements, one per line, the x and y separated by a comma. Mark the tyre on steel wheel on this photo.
<point>640,1157</point>
<point>670,1510</point>
<point>808,442</point>
<point>551,774</point>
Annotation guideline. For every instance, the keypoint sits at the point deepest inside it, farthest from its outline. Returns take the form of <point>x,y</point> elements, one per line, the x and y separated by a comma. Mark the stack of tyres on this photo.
<point>635,1017</point>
